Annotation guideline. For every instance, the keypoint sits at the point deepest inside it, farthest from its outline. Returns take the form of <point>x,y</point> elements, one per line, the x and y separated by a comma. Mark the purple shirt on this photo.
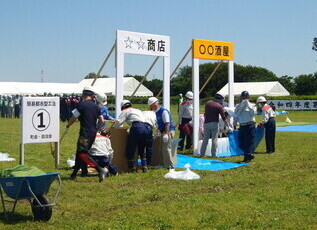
<point>212,111</point>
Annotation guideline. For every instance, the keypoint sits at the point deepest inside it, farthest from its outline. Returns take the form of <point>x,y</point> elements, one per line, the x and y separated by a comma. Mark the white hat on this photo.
<point>189,95</point>
<point>124,102</point>
<point>152,100</point>
<point>88,90</point>
<point>261,99</point>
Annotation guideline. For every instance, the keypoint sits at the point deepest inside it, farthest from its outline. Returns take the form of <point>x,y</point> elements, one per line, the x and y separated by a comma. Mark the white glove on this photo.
<point>165,138</point>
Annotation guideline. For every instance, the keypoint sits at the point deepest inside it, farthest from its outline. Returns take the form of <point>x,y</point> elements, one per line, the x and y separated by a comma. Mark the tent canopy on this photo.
<point>105,85</point>
<point>269,88</point>
<point>108,86</point>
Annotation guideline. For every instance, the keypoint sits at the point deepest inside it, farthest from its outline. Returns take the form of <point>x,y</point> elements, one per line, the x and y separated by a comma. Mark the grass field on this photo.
<point>279,191</point>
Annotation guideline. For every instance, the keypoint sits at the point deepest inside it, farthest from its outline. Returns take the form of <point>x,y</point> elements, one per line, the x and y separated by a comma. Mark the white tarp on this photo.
<point>106,85</point>
<point>269,88</point>
<point>33,88</point>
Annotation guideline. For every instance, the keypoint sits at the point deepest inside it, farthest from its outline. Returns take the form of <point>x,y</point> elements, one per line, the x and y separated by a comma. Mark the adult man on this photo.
<point>167,129</point>
<point>151,123</point>
<point>137,136</point>
<point>268,122</point>
<point>87,113</point>
<point>185,115</point>
<point>213,109</point>
<point>246,111</point>
<point>179,100</point>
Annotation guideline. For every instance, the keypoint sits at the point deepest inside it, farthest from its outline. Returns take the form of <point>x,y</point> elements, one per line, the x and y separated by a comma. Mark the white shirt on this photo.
<point>129,115</point>
<point>150,118</point>
<point>185,111</point>
<point>245,111</point>
<point>101,147</point>
<point>267,113</point>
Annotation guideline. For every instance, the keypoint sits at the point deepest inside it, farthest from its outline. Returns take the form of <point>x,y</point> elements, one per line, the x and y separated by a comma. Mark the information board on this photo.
<point>40,119</point>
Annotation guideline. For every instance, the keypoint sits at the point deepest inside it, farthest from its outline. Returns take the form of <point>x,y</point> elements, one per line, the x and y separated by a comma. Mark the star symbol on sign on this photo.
<point>140,44</point>
<point>128,43</point>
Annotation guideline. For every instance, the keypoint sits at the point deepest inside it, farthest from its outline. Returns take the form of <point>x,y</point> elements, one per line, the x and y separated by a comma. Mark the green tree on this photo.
<point>183,80</point>
<point>93,75</point>
<point>154,85</point>
<point>306,84</point>
<point>315,44</point>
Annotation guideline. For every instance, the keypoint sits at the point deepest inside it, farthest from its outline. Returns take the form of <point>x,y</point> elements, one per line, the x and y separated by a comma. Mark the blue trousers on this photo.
<point>270,128</point>
<point>137,138</point>
<point>247,138</point>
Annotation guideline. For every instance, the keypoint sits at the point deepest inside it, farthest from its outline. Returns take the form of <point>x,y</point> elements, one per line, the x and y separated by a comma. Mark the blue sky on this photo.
<point>70,38</point>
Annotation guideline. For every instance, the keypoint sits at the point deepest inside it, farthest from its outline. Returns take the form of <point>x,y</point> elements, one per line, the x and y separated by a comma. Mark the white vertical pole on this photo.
<point>166,83</point>
<point>21,153</point>
<point>231,83</point>
<point>231,86</point>
<point>195,82</point>
<point>119,81</point>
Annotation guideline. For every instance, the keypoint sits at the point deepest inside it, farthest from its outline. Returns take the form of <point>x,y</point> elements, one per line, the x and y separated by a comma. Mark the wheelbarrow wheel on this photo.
<point>41,213</point>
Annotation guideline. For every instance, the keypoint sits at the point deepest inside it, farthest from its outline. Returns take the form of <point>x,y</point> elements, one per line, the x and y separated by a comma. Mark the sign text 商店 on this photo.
<point>212,50</point>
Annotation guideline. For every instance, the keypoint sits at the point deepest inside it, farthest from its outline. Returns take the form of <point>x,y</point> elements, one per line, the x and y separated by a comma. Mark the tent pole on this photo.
<point>176,68</point>
<point>147,73</point>
<point>209,78</point>
<point>103,64</point>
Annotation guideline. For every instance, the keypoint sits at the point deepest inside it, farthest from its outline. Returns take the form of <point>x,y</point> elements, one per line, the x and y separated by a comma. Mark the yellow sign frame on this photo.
<point>212,50</point>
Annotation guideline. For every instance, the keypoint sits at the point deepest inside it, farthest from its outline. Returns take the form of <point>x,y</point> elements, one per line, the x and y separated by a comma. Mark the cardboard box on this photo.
<point>118,139</point>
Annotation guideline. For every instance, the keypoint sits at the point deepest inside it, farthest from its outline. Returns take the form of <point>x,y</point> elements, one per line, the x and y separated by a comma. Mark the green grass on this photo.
<point>277,192</point>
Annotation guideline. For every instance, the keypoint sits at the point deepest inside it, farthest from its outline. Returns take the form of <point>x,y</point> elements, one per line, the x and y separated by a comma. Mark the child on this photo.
<point>102,152</point>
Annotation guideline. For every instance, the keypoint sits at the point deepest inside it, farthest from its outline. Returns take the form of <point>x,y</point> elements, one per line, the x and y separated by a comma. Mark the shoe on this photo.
<point>114,174</point>
<point>84,174</point>
<point>72,177</point>
<point>247,158</point>
<point>102,174</point>
<point>144,169</point>
<point>269,152</point>
<point>132,170</point>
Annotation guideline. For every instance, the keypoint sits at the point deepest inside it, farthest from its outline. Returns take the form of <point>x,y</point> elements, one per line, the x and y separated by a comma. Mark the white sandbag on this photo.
<point>187,174</point>
<point>71,162</point>
<point>6,157</point>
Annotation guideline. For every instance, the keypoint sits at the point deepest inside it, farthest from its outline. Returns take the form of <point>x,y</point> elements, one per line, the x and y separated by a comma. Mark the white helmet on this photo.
<point>101,98</point>
<point>125,102</point>
<point>152,100</point>
<point>189,95</point>
<point>261,99</point>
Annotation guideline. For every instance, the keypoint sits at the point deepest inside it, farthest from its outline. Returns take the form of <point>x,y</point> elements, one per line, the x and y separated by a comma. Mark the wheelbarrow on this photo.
<point>32,188</point>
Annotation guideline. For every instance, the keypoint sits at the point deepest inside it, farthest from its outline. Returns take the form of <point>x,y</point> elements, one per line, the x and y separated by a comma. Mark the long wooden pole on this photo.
<point>147,73</point>
<point>209,78</point>
<point>176,68</point>
<point>103,64</point>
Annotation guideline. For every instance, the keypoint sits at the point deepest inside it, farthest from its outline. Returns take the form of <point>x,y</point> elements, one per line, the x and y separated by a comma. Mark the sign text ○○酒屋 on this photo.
<point>213,50</point>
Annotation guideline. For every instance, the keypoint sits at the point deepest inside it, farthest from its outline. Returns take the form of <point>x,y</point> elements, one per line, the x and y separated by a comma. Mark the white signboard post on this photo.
<point>145,44</point>
<point>40,123</point>
<point>210,50</point>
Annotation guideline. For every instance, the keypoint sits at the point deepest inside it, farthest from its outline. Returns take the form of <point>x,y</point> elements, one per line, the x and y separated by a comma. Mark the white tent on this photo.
<point>269,88</point>
<point>32,88</point>
<point>108,86</point>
